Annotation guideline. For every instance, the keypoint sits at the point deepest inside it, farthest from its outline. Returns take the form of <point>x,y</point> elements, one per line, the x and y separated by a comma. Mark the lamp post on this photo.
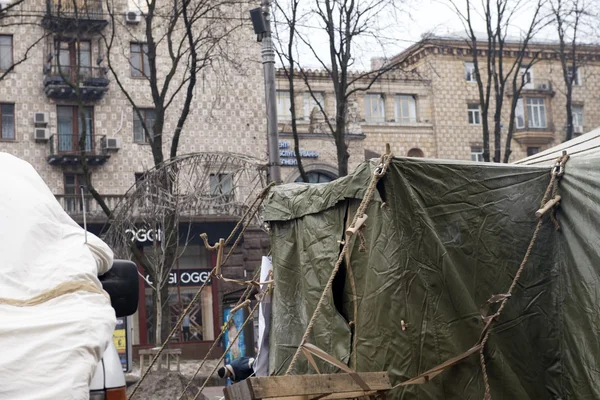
<point>262,28</point>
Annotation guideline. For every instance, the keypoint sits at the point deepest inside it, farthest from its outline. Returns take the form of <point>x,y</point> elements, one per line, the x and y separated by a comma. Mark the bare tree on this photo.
<point>177,41</point>
<point>568,16</point>
<point>344,23</point>
<point>494,48</point>
<point>286,53</point>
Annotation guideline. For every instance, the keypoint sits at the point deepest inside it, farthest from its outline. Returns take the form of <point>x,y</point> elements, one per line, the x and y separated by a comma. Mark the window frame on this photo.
<point>144,61</point>
<point>540,108</point>
<point>12,51</point>
<point>284,112</point>
<point>144,112</point>
<point>217,183</point>
<point>75,129</point>
<point>580,116</point>
<point>14,123</point>
<point>529,70</point>
<point>577,80</point>
<point>470,73</point>
<point>472,113</point>
<point>477,156</point>
<point>533,150</point>
<point>309,103</point>
<point>369,117</point>
<point>520,108</point>
<point>411,100</point>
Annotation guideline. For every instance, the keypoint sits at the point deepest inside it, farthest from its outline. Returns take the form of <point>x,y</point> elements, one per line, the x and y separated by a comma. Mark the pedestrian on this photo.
<point>238,370</point>
<point>186,328</point>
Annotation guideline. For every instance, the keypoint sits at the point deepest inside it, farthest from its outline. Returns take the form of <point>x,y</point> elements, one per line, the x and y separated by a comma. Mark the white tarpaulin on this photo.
<point>261,367</point>
<point>48,350</point>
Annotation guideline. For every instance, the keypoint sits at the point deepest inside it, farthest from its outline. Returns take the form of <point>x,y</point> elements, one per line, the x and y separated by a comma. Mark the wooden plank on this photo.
<point>239,391</point>
<point>302,385</point>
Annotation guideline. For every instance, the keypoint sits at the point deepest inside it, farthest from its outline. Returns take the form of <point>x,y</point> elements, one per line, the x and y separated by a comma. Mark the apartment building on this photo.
<point>432,108</point>
<point>45,40</point>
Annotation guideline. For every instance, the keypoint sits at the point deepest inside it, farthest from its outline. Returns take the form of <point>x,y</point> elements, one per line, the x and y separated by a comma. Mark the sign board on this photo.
<point>239,346</point>
<point>185,277</point>
<point>122,342</point>
<point>288,157</point>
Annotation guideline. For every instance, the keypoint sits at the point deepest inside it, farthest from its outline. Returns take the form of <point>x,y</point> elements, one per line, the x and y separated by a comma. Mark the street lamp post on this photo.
<point>262,27</point>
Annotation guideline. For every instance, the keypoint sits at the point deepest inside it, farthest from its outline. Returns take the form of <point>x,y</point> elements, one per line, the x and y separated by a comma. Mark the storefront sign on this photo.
<point>144,235</point>
<point>288,157</point>
<point>122,342</point>
<point>186,277</point>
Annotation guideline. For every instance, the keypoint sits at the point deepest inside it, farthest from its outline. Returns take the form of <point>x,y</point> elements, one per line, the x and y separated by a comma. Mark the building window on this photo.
<point>140,65</point>
<point>477,153</point>
<point>519,115</point>
<point>284,112</point>
<point>536,112</point>
<point>527,74</point>
<point>374,108</point>
<point>7,128</point>
<point>221,187</point>
<point>405,109</point>
<point>415,153</point>
<point>6,52</point>
<point>532,150</point>
<point>74,57</point>
<point>577,112</point>
<point>577,79</point>
<point>474,114</point>
<point>317,177</point>
<point>310,103</point>
<point>70,128</point>
<point>73,190</point>
<point>470,73</point>
<point>149,116</point>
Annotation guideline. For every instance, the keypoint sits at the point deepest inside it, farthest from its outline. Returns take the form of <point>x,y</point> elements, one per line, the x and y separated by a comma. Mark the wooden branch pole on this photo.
<point>308,387</point>
<point>359,222</point>
<point>551,203</point>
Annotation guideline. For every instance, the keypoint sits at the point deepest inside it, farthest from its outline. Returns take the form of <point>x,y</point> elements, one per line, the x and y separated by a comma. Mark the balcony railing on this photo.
<point>65,150</point>
<point>65,82</point>
<point>73,204</point>
<point>75,16</point>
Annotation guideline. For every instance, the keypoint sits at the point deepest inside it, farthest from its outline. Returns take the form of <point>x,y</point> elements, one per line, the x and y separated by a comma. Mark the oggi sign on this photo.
<point>144,235</point>
<point>186,277</point>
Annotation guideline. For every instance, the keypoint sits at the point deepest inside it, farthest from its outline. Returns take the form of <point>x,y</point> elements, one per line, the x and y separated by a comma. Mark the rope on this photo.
<point>245,296</point>
<point>552,188</point>
<point>57,291</point>
<point>250,316</point>
<point>260,198</point>
<point>378,174</point>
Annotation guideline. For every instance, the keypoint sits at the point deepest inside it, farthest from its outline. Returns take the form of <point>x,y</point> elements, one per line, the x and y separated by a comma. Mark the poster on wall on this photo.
<point>121,339</point>
<point>238,349</point>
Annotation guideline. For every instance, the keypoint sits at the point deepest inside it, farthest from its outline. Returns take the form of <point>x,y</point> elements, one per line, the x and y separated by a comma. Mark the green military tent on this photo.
<point>441,238</point>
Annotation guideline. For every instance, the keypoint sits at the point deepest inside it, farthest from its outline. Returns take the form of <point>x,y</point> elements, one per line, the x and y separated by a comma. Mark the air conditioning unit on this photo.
<point>577,129</point>
<point>111,143</point>
<point>41,134</point>
<point>132,16</point>
<point>544,86</point>
<point>40,118</point>
<point>4,5</point>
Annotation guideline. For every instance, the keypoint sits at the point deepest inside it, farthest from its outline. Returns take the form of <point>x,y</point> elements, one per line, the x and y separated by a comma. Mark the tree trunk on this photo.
<point>569,108</point>
<point>162,314</point>
<point>486,136</point>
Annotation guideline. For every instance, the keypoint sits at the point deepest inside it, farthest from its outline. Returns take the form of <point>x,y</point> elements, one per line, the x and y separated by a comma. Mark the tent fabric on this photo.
<point>441,238</point>
<point>49,350</point>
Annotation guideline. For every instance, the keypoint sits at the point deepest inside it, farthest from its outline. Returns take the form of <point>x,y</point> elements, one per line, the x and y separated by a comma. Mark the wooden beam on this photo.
<point>307,387</point>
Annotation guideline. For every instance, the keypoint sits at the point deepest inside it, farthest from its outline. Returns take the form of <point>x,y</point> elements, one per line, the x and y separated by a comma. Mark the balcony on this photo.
<point>74,16</point>
<point>535,136</point>
<point>63,83</point>
<point>73,205</point>
<point>65,150</point>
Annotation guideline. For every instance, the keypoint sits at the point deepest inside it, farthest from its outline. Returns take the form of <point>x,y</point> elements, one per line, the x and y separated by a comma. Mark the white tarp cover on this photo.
<point>50,350</point>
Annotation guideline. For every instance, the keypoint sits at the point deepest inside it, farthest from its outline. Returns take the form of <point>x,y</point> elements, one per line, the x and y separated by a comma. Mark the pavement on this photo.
<point>213,392</point>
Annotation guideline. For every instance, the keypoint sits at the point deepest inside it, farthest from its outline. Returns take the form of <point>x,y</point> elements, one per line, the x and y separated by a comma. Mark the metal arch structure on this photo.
<point>214,185</point>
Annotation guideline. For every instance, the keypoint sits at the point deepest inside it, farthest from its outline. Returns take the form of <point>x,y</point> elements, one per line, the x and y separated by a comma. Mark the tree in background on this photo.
<point>491,49</point>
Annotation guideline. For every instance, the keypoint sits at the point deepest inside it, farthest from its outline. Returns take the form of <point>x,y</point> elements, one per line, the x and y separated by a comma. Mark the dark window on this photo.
<point>149,116</point>
<point>532,150</point>
<point>317,177</point>
<point>221,187</point>
<point>70,128</point>
<point>73,200</point>
<point>7,128</point>
<point>140,65</point>
<point>74,57</point>
<point>6,52</point>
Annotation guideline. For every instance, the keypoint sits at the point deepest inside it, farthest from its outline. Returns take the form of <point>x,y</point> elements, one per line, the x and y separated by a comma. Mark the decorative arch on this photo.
<point>318,168</point>
<point>415,152</point>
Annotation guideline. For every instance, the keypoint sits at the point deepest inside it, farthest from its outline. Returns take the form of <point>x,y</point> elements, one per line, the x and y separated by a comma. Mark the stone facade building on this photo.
<point>38,110</point>
<point>433,111</point>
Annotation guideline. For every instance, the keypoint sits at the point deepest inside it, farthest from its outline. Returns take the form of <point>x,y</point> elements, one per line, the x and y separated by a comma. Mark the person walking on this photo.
<point>238,370</point>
